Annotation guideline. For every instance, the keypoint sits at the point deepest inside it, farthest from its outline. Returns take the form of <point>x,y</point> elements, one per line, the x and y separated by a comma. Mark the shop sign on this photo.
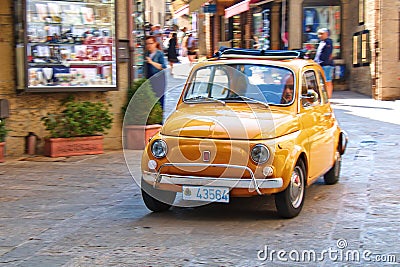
<point>210,9</point>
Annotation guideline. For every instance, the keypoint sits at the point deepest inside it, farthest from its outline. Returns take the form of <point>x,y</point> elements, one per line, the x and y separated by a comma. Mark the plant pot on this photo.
<point>137,136</point>
<point>2,151</point>
<point>73,146</point>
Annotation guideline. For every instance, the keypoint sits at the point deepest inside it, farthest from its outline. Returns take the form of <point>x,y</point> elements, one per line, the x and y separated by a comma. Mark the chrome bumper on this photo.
<point>252,184</point>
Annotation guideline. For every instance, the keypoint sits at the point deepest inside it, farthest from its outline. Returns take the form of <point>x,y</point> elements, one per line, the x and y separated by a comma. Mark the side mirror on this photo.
<point>310,96</point>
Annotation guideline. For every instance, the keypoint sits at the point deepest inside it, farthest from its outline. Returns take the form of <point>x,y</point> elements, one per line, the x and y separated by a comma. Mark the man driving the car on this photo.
<point>288,90</point>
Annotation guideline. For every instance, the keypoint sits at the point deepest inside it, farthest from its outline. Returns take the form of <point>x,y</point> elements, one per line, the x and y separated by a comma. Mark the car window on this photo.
<point>220,83</point>
<point>310,87</point>
<point>208,82</point>
<point>199,85</point>
<point>322,87</point>
<point>269,84</point>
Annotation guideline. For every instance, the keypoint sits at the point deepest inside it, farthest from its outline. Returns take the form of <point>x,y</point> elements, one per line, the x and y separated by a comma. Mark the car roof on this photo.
<point>293,59</point>
<point>294,64</point>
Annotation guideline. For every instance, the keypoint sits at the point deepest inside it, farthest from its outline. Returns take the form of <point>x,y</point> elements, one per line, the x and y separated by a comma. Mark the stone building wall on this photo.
<point>155,11</point>
<point>358,79</point>
<point>389,54</point>
<point>26,109</point>
<point>380,79</point>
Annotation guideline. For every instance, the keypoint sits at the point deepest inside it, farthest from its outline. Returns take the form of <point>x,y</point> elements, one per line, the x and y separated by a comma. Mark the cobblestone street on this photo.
<point>87,210</point>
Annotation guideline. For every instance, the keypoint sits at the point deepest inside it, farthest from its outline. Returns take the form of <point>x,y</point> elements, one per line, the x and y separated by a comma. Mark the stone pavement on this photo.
<point>87,211</point>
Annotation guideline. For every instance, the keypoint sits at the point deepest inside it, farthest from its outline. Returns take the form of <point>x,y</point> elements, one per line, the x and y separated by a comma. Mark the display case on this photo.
<point>322,16</point>
<point>67,45</point>
<point>139,50</point>
<point>138,39</point>
<point>236,31</point>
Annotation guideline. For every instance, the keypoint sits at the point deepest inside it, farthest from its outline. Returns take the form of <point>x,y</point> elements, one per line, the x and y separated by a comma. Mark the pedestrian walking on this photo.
<point>181,35</point>
<point>191,48</point>
<point>156,32</point>
<point>324,57</point>
<point>184,45</point>
<point>172,47</point>
<point>155,63</point>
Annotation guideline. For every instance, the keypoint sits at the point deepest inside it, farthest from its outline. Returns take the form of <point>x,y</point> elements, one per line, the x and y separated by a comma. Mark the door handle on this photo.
<point>328,114</point>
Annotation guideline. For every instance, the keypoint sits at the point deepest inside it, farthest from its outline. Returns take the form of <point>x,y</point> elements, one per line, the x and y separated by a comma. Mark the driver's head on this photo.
<point>288,89</point>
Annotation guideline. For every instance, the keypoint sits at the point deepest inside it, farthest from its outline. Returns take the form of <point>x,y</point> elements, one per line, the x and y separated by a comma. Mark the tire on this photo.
<point>332,176</point>
<point>156,200</point>
<point>290,201</point>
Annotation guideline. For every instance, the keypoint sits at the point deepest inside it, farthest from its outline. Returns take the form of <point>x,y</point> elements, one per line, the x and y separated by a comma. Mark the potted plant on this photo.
<point>3,134</point>
<point>143,115</point>
<point>78,129</point>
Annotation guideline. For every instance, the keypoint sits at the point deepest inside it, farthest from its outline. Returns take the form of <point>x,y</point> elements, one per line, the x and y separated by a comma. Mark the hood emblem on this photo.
<point>206,156</point>
<point>187,192</point>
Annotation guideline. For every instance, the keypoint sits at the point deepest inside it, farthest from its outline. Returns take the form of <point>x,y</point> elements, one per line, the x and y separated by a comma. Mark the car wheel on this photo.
<point>290,201</point>
<point>332,176</point>
<point>156,200</point>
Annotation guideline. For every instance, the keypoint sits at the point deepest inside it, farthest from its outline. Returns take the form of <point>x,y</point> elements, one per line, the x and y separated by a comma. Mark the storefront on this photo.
<point>52,50</point>
<point>236,17</point>
<point>261,28</point>
<point>317,15</point>
<point>66,45</point>
<point>137,41</point>
<point>181,14</point>
<point>260,24</point>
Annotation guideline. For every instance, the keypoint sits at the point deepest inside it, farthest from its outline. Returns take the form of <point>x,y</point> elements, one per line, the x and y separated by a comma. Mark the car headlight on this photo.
<point>159,149</point>
<point>260,153</point>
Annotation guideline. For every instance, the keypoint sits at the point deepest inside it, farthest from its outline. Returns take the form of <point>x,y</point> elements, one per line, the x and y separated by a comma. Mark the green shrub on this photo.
<point>145,109</point>
<point>79,118</point>
<point>3,130</point>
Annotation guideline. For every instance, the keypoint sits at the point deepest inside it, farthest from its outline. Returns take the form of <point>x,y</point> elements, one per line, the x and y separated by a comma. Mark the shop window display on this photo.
<point>236,31</point>
<point>67,45</point>
<point>262,29</point>
<point>316,17</point>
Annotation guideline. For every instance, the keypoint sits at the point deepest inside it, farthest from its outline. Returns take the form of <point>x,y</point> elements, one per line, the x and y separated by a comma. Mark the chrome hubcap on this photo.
<point>296,187</point>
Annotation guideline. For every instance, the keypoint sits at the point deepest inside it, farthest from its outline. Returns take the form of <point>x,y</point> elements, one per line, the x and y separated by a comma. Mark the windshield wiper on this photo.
<point>251,100</point>
<point>206,98</point>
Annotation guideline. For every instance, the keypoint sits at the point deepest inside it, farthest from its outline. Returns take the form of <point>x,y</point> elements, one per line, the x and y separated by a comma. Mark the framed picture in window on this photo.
<point>365,48</point>
<point>355,49</point>
<point>361,11</point>
<point>361,49</point>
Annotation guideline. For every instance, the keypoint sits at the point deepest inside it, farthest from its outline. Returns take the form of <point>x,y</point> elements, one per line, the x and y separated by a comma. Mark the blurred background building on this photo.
<point>93,49</point>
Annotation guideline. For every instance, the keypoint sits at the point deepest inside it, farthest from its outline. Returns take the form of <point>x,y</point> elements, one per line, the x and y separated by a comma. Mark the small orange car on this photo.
<point>248,122</point>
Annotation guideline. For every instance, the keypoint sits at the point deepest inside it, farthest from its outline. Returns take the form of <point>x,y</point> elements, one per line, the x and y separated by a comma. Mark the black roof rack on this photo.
<point>226,52</point>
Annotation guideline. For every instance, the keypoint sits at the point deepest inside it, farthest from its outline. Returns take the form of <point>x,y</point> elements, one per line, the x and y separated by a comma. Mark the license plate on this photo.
<point>206,193</point>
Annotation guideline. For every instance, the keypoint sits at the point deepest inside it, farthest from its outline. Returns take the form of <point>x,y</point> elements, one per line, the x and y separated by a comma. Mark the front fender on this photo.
<point>286,156</point>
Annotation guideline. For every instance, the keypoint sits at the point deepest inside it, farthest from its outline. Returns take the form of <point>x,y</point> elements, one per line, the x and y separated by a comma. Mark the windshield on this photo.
<point>241,82</point>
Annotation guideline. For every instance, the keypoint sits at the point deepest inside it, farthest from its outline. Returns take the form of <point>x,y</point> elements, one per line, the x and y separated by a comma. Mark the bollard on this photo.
<point>31,141</point>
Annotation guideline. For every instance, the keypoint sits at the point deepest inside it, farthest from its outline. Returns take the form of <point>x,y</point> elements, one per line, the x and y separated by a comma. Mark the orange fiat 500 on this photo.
<point>248,122</point>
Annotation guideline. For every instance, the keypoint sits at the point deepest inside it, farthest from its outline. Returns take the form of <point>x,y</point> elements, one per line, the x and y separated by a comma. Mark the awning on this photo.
<point>177,4</point>
<point>182,11</point>
<point>196,4</point>
<point>259,2</point>
<point>237,9</point>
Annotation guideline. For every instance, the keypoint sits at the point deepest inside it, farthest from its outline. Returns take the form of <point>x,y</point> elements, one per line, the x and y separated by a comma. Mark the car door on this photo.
<point>313,115</point>
<point>328,122</point>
